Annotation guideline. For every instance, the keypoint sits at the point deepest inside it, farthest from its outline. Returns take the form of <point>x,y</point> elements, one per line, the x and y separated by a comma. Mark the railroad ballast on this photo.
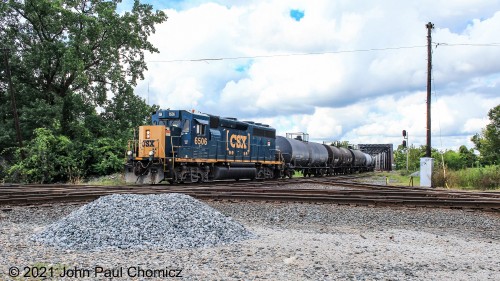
<point>186,146</point>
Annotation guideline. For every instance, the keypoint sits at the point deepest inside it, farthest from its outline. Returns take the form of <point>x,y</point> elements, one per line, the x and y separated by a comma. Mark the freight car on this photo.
<point>186,146</point>
<point>314,159</point>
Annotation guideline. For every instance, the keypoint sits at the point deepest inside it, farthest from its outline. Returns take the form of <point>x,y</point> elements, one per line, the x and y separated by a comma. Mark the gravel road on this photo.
<point>294,241</point>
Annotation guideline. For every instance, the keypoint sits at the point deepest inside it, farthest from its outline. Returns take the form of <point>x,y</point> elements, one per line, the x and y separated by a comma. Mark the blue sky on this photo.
<point>296,14</point>
<point>334,69</point>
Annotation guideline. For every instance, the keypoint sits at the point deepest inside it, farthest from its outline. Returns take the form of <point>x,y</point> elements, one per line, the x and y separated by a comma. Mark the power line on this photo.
<point>327,52</point>
<point>290,55</point>
<point>467,44</point>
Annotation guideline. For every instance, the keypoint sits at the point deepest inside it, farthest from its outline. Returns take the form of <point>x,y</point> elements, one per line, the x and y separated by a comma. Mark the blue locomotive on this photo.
<point>183,146</point>
<point>187,146</point>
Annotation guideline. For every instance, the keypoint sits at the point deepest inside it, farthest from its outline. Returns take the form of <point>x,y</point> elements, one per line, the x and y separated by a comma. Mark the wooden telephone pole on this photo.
<point>429,26</point>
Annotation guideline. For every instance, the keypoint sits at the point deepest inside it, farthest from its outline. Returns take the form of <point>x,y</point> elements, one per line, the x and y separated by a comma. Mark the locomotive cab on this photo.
<point>151,154</point>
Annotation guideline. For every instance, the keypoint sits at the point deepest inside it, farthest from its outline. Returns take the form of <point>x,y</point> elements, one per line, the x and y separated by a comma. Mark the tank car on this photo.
<point>345,160</point>
<point>370,163</point>
<point>334,159</point>
<point>299,154</point>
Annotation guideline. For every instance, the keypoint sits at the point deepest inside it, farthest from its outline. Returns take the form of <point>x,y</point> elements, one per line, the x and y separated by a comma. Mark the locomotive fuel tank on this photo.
<point>294,152</point>
<point>223,173</point>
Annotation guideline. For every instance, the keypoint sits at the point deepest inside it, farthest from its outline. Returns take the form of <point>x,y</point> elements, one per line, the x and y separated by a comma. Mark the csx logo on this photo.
<point>238,141</point>
<point>148,143</point>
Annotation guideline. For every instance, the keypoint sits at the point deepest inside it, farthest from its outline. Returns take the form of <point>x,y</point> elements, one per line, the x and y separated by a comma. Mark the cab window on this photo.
<point>175,123</point>
<point>200,129</point>
<point>185,128</point>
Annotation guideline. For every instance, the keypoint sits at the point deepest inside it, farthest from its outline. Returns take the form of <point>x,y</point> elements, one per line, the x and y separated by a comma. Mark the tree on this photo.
<point>70,55</point>
<point>467,156</point>
<point>74,64</point>
<point>415,153</point>
<point>488,142</point>
<point>344,144</point>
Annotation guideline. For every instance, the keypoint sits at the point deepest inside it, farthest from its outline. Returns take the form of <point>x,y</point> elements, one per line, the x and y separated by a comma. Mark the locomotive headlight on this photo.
<point>151,153</point>
<point>129,153</point>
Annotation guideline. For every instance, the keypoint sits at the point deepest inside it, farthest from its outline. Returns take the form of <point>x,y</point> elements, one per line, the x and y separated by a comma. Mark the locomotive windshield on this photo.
<point>174,123</point>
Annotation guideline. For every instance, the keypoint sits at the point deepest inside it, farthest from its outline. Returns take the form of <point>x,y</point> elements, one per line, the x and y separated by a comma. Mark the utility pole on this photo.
<point>406,144</point>
<point>426,163</point>
<point>429,26</point>
<point>13,98</point>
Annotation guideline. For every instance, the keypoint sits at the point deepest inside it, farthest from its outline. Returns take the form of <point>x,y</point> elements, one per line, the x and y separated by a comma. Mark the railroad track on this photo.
<point>340,190</point>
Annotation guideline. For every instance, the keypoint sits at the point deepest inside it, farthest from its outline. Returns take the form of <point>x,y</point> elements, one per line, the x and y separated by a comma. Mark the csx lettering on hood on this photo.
<point>238,141</point>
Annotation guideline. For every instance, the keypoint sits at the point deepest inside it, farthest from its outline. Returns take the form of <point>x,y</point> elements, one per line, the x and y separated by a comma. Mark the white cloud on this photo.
<point>363,97</point>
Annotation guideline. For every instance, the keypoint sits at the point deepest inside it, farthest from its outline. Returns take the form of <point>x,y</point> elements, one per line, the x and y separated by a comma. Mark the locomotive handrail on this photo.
<point>258,152</point>
<point>133,145</point>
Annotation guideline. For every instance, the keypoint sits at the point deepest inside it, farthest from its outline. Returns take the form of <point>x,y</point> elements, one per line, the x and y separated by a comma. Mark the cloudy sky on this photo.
<point>339,69</point>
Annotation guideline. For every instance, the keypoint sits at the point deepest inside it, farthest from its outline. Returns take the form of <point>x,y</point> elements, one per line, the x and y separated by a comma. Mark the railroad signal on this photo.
<point>405,145</point>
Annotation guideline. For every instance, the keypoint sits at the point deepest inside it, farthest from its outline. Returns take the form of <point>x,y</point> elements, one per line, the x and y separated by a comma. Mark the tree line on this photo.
<point>487,143</point>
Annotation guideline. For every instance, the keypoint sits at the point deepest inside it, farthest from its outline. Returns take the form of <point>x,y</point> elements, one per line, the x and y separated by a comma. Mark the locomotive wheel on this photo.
<point>172,181</point>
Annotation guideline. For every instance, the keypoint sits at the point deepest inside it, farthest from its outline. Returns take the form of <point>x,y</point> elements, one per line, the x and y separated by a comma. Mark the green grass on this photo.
<point>397,178</point>
<point>110,180</point>
<point>484,178</point>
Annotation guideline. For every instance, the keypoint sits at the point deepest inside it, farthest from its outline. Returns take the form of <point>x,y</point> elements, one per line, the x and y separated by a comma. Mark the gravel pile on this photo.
<point>143,221</point>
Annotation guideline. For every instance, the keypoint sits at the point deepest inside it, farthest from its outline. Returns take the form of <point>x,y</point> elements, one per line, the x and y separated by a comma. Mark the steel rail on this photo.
<point>277,190</point>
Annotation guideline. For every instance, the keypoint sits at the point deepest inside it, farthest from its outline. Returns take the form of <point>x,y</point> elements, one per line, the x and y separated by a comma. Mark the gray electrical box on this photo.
<point>426,165</point>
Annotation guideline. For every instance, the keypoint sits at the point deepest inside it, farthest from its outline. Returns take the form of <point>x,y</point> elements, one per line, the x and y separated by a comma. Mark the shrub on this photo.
<point>47,158</point>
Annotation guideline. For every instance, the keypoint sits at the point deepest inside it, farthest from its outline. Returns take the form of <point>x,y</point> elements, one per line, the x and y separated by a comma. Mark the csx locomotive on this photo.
<point>186,146</point>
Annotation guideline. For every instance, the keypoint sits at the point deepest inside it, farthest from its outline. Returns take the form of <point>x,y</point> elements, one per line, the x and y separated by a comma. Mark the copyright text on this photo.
<point>94,272</point>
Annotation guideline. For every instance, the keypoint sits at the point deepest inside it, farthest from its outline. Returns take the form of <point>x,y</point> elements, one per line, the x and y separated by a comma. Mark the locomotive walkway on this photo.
<point>334,190</point>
